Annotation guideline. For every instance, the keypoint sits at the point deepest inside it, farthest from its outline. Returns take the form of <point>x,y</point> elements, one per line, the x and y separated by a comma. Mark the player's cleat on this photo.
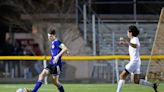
<point>26,90</point>
<point>155,86</point>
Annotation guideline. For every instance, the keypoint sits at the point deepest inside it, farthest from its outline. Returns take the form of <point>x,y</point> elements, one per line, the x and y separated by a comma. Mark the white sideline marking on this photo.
<point>15,87</point>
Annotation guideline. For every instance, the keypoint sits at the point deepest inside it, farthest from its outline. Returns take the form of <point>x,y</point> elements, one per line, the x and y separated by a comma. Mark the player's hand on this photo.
<point>127,42</point>
<point>121,41</point>
<point>56,58</point>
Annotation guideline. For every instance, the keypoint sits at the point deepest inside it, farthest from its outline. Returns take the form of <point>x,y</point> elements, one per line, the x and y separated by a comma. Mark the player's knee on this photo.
<point>121,76</point>
<point>136,81</point>
<point>41,75</point>
<point>56,83</point>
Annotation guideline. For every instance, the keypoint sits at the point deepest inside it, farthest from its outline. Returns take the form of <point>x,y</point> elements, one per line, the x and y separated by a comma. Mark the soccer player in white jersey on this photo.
<point>135,62</point>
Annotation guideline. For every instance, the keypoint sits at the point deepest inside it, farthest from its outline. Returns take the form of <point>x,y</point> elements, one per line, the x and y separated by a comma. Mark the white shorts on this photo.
<point>133,67</point>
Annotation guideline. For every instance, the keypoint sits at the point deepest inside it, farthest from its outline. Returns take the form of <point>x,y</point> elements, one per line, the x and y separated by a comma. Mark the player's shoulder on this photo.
<point>134,39</point>
<point>57,42</point>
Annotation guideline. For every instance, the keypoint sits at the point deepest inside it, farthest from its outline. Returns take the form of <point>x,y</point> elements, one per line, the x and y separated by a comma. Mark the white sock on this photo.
<point>120,84</point>
<point>146,83</point>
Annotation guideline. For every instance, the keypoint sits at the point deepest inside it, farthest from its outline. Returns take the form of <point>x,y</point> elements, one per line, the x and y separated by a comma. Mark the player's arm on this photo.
<point>131,44</point>
<point>64,49</point>
<point>127,42</point>
<point>124,41</point>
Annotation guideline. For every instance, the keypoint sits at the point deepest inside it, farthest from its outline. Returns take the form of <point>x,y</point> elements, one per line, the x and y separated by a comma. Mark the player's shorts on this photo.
<point>53,69</point>
<point>133,68</point>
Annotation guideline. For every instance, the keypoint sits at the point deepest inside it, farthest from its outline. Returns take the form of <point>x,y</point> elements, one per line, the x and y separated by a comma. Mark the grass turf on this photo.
<point>82,88</point>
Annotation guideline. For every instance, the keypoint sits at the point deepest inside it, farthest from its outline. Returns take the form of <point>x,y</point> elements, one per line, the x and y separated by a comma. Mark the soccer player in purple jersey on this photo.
<point>55,64</point>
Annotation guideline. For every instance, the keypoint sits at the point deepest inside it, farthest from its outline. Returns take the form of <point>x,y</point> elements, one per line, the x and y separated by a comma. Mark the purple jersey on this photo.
<point>55,50</point>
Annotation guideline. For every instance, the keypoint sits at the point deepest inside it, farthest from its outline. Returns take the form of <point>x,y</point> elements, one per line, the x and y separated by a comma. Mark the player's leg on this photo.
<point>42,75</point>
<point>38,84</point>
<point>123,76</point>
<point>55,81</point>
<point>129,68</point>
<point>137,80</point>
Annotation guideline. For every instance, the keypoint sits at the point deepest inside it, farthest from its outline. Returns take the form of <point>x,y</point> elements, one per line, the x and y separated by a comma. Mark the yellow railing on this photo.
<point>78,58</point>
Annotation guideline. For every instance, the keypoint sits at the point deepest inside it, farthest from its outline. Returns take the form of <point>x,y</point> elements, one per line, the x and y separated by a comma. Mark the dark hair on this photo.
<point>52,31</point>
<point>134,30</point>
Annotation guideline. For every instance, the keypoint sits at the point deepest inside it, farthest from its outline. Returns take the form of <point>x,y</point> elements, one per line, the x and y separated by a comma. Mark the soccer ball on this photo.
<point>20,90</point>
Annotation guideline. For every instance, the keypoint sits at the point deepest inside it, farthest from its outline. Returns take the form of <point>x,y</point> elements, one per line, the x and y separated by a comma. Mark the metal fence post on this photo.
<point>93,34</point>
<point>44,65</point>
<point>117,71</point>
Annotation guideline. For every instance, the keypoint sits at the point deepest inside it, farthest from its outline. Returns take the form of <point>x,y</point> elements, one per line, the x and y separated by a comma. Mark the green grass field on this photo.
<point>81,88</point>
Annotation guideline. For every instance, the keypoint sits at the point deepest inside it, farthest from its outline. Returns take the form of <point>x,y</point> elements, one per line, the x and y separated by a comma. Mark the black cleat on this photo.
<point>155,86</point>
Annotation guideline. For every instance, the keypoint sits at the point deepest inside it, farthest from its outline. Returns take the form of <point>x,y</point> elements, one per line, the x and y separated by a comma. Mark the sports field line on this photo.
<point>15,87</point>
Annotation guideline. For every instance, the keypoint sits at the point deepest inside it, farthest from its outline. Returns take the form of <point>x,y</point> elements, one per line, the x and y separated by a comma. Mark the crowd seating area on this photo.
<point>109,39</point>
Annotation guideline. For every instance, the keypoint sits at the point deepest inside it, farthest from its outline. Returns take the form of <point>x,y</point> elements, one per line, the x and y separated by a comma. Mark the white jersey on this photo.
<point>134,52</point>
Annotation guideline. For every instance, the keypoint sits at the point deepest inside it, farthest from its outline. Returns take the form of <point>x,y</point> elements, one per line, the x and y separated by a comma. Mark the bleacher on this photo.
<point>109,39</point>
